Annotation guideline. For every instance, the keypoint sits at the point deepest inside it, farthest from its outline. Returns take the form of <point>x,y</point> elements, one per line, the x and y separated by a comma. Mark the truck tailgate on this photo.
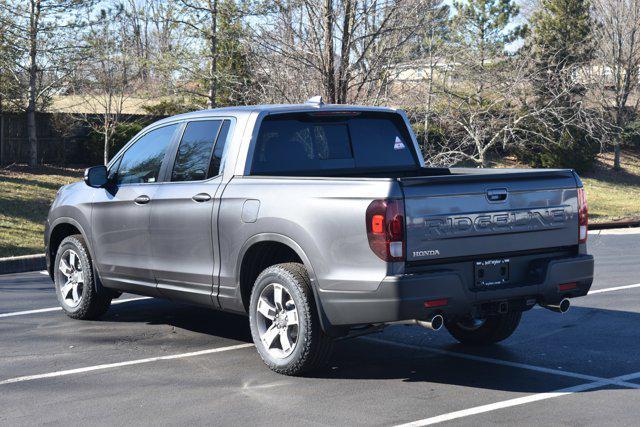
<point>476,213</point>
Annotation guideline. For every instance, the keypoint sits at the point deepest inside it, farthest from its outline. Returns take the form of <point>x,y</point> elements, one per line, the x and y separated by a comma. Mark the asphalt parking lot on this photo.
<point>153,362</point>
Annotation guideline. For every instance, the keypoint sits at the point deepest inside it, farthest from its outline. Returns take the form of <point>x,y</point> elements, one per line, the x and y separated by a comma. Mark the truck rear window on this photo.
<point>314,142</point>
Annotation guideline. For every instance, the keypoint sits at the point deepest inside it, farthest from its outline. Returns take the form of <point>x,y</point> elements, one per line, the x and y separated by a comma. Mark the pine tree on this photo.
<point>233,70</point>
<point>560,44</point>
<point>486,26</point>
<point>561,40</point>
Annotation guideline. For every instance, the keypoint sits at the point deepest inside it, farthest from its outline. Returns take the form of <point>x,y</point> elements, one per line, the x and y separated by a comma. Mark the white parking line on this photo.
<point>616,288</point>
<point>121,364</point>
<point>520,401</point>
<point>501,362</point>
<point>46,310</point>
<point>20,313</point>
<point>504,404</point>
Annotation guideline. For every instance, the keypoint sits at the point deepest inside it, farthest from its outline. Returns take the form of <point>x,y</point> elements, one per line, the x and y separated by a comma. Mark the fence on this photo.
<point>62,140</point>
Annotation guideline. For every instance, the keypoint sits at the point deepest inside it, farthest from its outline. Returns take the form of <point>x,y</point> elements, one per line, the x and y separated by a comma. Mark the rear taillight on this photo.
<point>385,229</point>
<point>583,216</point>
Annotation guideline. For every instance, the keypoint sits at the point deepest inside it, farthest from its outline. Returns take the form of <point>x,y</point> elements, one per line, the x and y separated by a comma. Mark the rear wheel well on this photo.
<point>258,257</point>
<point>58,234</point>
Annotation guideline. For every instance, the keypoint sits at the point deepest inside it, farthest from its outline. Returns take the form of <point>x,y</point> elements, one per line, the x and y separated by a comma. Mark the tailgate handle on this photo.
<point>497,195</point>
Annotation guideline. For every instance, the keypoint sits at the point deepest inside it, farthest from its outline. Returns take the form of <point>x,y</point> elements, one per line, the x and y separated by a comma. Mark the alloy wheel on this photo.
<point>71,268</point>
<point>277,321</point>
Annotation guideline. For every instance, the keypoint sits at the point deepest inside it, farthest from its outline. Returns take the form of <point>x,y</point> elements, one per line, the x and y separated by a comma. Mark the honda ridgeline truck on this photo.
<point>318,221</point>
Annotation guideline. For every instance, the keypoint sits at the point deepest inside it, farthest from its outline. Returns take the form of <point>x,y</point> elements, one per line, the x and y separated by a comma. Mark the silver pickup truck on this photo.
<point>318,221</point>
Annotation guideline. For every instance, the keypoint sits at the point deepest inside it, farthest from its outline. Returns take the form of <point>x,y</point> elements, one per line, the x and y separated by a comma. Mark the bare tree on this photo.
<point>343,49</point>
<point>44,32</point>
<point>105,83</point>
<point>504,114</point>
<point>615,71</point>
<point>211,63</point>
<point>484,82</point>
<point>435,47</point>
<point>157,41</point>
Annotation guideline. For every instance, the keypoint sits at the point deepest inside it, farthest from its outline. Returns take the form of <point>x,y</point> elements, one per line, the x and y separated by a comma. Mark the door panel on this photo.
<point>183,232</point>
<point>120,229</point>
<point>182,235</point>
<point>121,213</point>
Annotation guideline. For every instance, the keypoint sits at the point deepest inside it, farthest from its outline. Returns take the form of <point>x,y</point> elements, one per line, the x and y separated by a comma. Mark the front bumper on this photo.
<point>402,297</point>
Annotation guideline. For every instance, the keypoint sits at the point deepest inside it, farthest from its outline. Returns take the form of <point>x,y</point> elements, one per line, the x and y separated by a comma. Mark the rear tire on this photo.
<point>284,321</point>
<point>75,282</point>
<point>492,330</point>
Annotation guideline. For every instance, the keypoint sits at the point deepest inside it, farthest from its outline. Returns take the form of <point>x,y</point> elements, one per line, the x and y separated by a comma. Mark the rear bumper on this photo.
<point>402,297</point>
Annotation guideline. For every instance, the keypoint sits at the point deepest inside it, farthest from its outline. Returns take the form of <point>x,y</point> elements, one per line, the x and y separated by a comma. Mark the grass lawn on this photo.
<point>25,197</point>
<point>614,195</point>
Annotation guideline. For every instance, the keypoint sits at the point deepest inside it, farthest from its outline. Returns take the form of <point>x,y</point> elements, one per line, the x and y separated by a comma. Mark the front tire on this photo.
<point>487,331</point>
<point>75,282</point>
<point>284,321</point>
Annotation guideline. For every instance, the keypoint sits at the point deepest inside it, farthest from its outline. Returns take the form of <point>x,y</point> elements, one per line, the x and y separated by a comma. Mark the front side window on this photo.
<point>142,161</point>
<point>195,152</point>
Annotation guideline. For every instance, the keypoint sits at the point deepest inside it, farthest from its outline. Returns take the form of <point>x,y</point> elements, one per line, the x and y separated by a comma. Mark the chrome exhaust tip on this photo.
<point>435,323</point>
<point>561,307</point>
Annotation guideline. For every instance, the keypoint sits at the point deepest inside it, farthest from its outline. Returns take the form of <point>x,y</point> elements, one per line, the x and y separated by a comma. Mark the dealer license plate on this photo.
<point>492,272</point>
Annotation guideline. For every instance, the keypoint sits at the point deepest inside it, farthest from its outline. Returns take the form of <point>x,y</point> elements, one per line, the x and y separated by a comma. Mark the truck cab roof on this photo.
<point>272,109</point>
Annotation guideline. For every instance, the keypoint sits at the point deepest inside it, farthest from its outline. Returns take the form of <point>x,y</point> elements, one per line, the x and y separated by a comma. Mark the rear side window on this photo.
<point>308,142</point>
<point>381,142</point>
<point>141,162</point>
<point>194,153</point>
<point>218,152</point>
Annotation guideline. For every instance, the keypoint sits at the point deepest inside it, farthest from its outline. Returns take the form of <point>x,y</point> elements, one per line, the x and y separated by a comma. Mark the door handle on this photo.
<point>201,197</point>
<point>142,200</point>
<point>497,195</point>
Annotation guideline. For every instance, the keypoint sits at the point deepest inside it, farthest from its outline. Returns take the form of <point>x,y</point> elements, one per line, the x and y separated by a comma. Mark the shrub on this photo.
<point>436,133</point>
<point>631,134</point>
<point>573,150</point>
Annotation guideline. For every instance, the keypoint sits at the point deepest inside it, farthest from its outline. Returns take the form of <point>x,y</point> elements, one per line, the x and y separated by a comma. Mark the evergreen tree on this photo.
<point>9,91</point>
<point>560,44</point>
<point>561,40</point>
<point>483,81</point>
<point>234,74</point>
<point>486,26</point>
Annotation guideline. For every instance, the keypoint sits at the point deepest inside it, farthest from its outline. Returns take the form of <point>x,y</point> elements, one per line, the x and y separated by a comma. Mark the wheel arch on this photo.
<point>293,253</point>
<point>60,229</point>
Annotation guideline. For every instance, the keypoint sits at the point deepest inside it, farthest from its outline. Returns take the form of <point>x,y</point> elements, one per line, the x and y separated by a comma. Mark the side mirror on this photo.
<point>96,176</point>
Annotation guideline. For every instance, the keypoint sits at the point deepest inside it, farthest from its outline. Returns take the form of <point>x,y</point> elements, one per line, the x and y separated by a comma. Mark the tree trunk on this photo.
<point>106,143</point>
<point>616,156</point>
<point>622,100</point>
<point>343,74</point>
<point>2,159</point>
<point>213,51</point>
<point>33,80</point>
<point>427,115</point>
<point>329,68</point>
<point>482,159</point>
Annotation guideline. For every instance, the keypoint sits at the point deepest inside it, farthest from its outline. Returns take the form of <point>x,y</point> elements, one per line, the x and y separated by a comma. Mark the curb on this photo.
<point>614,224</point>
<point>21,264</point>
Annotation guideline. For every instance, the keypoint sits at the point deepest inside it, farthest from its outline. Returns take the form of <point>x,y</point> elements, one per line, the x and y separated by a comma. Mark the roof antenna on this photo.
<point>316,100</point>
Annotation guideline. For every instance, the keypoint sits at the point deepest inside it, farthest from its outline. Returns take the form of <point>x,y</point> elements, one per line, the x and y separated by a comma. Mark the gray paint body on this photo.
<point>178,248</point>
